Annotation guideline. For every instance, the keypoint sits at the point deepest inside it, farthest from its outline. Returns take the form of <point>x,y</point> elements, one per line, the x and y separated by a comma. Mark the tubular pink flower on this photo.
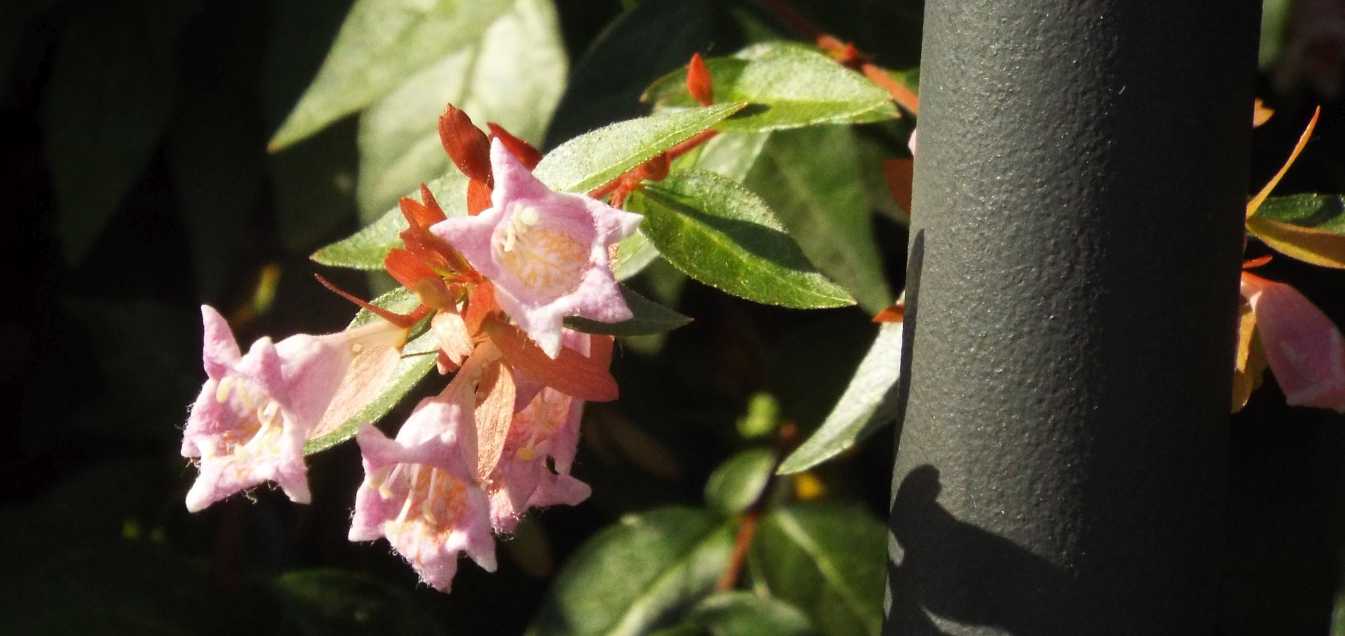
<point>254,413</point>
<point>1304,349</point>
<point>420,491</point>
<point>546,252</point>
<point>546,428</point>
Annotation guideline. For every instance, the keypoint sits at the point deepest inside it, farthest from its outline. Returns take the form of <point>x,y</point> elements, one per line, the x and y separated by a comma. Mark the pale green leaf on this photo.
<point>868,403</point>
<point>723,235</point>
<point>592,159</point>
<point>738,483</point>
<point>826,560</point>
<point>381,43</point>
<point>367,248</point>
<point>512,75</point>
<point>785,85</point>
<point>631,575</point>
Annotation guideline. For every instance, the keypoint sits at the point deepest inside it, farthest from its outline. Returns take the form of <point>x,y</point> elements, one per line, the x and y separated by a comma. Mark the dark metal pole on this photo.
<point>1079,190</point>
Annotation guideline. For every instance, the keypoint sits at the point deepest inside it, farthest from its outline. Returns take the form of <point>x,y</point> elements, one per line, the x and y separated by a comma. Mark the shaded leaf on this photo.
<point>826,560</point>
<point>1308,227</point>
<point>746,614</point>
<point>867,404</point>
<point>329,601</point>
<point>723,235</point>
<point>396,372</point>
<point>380,44</point>
<point>786,86</point>
<point>607,79</point>
<point>650,318</point>
<point>739,482</point>
<point>367,248</point>
<point>592,159</point>
<point>314,187</point>
<point>107,103</point>
<point>633,254</point>
<point>811,179</point>
<point>631,575</point>
<point>512,74</point>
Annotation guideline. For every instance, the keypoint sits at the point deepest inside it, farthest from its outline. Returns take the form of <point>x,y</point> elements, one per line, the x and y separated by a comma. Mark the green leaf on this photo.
<point>1308,227</point>
<point>739,482</point>
<point>826,560</point>
<point>628,577</point>
<point>633,254</point>
<point>381,43</point>
<point>811,179</point>
<point>786,86</point>
<point>746,614</point>
<point>723,235</point>
<point>512,74</point>
<point>367,248</point>
<point>650,318</point>
<point>106,104</point>
<point>390,376</point>
<point>867,404</point>
<point>593,159</point>
<point>328,601</point>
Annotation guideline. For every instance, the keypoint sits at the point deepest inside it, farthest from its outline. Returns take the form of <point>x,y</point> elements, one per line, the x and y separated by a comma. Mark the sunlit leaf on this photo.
<point>723,235</point>
<point>1308,227</point>
<point>826,560</point>
<point>592,159</point>
<point>739,482</point>
<point>367,248</point>
<point>786,86</point>
<point>631,575</point>
<point>650,318</point>
<point>387,376</point>
<point>867,404</point>
<point>381,43</point>
<point>512,75</point>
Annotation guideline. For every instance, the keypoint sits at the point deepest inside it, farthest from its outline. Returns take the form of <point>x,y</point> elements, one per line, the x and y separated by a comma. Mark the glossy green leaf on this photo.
<point>512,75</point>
<point>386,377</point>
<point>1308,227</point>
<point>811,179</point>
<point>747,614</point>
<point>718,232</point>
<point>107,102</point>
<point>650,318</point>
<point>739,482</point>
<point>593,159</point>
<point>867,404</point>
<point>367,248</point>
<point>826,560</point>
<point>786,86</point>
<point>328,601</point>
<point>630,576</point>
<point>382,43</point>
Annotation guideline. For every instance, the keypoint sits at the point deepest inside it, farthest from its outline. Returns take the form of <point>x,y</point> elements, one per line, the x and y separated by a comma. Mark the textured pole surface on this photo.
<point>1079,190</point>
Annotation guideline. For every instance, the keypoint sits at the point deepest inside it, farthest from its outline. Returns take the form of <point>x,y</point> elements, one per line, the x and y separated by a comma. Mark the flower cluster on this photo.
<point>501,437</point>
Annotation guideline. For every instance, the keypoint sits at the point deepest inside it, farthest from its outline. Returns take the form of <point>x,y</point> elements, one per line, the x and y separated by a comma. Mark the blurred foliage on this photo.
<point>136,146</point>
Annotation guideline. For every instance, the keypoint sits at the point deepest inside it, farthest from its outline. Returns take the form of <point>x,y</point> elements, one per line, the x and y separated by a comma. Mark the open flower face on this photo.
<point>546,252</point>
<point>420,493</point>
<point>250,421</point>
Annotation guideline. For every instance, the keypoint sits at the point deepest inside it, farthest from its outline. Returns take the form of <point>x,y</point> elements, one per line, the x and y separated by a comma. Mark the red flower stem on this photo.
<point>741,543</point>
<point>690,144</point>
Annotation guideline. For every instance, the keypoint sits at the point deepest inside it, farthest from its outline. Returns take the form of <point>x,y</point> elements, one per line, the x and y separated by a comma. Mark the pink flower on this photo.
<point>546,252</point>
<point>254,413</point>
<point>1304,349</point>
<point>547,427</point>
<point>420,490</point>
